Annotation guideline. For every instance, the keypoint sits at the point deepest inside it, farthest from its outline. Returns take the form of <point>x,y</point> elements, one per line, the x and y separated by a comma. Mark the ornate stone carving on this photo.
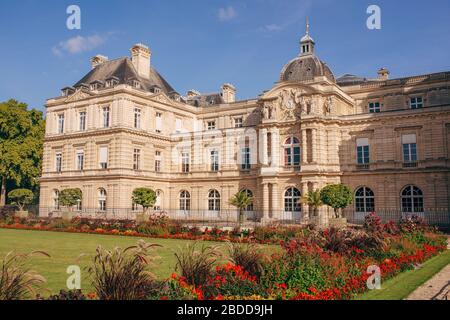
<point>328,106</point>
<point>77,95</point>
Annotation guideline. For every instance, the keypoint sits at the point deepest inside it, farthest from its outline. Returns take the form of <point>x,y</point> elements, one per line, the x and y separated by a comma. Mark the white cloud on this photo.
<point>226,14</point>
<point>78,44</point>
<point>273,27</point>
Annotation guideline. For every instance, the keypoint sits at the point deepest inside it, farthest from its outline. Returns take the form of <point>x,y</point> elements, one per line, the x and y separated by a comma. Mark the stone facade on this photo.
<point>308,131</point>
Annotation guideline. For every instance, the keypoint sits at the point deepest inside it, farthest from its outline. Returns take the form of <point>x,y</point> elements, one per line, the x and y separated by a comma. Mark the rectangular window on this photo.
<point>238,122</point>
<point>214,160</point>
<point>80,160</point>
<point>185,161</point>
<point>58,162</point>
<point>158,122</point>
<point>245,154</point>
<point>211,125</point>
<point>60,123</point>
<point>374,107</point>
<point>416,102</point>
<point>137,159</point>
<point>178,125</point>
<point>137,118</point>
<point>103,157</point>
<point>82,116</point>
<point>362,151</point>
<point>158,161</point>
<point>409,148</point>
<point>106,117</point>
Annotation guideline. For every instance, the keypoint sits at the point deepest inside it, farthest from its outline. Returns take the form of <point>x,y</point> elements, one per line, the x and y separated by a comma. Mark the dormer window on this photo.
<point>157,90</point>
<point>112,82</point>
<point>67,91</point>
<point>96,85</point>
<point>136,84</point>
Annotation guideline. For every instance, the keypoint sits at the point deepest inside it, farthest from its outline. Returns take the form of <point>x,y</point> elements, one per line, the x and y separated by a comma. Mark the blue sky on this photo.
<point>200,44</point>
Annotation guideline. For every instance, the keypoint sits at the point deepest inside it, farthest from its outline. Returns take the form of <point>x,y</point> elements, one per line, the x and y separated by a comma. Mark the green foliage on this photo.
<point>241,200</point>
<point>21,197</point>
<point>121,274</point>
<point>145,197</point>
<point>196,265</point>
<point>313,200</point>
<point>70,197</point>
<point>17,282</point>
<point>337,196</point>
<point>21,144</point>
<point>249,256</point>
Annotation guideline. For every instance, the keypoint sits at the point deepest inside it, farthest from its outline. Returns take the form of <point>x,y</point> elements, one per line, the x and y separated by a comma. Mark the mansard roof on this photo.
<point>205,100</point>
<point>124,71</point>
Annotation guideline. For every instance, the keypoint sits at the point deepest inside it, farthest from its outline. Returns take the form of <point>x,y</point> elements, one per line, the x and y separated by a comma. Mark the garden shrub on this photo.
<point>120,274</point>
<point>16,281</point>
<point>196,265</point>
<point>248,256</point>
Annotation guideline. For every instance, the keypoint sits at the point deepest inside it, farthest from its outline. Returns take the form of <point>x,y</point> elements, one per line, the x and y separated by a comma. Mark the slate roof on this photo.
<point>305,67</point>
<point>205,100</point>
<point>124,70</point>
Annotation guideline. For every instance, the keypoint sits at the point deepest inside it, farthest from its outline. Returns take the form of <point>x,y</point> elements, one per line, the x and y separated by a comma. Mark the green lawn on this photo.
<point>65,249</point>
<point>400,287</point>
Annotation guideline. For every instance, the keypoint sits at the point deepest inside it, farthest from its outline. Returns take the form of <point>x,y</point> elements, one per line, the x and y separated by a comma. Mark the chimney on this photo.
<point>383,74</point>
<point>228,93</point>
<point>140,56</point>
<point>98,60</point>
<point>192,93</point>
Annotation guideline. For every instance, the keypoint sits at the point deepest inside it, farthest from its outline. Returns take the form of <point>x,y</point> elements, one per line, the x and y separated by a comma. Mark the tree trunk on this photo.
<point>3,192</point>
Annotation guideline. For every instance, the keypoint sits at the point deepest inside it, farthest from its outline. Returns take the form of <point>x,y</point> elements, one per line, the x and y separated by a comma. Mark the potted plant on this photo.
<point>313,200</point>
<point>69,198</point>
<point>21,198</point>
<point>337,196</point>
<point>241,200</point>
<point>146,198</point>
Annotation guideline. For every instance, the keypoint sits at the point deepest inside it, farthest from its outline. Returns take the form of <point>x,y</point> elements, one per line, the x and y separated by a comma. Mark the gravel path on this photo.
<point>437,288</point>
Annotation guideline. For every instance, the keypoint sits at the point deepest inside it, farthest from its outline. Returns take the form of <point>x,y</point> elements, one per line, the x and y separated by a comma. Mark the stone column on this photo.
<point>265,202</point>
<point>314,145</point>
<point>275,143</point>
<point>305,207</point>
<point>304,147</point>
<point>263,155</point>
<point>276,214</point>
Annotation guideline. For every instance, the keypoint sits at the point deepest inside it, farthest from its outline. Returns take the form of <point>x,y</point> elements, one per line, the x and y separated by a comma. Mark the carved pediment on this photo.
<point>77,95</point>
<point>161,97</point>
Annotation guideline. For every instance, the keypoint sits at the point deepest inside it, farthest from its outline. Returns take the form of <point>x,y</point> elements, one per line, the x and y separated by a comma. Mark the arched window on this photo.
<point>364,200</point>
<point>292,152</point>
<point>102,199</point>
<point>292,200</point>
<point>412,199</point>
<point>214,200</point>
<point>56,199</point>
<point>249,194</point>
<point>185,200</point>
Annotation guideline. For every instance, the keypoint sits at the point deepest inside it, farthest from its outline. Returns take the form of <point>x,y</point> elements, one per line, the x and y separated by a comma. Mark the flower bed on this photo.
<point>330,264</point>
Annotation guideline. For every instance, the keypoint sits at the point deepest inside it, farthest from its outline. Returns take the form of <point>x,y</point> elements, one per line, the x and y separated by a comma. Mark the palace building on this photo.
<point>123,126</point>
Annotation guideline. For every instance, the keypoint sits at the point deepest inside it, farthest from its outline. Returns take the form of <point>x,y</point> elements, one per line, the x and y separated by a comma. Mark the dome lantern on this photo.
<point>307,43</point>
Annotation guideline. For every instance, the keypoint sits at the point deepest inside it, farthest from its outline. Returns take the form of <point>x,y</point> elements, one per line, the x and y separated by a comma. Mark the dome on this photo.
<point>306,67</point>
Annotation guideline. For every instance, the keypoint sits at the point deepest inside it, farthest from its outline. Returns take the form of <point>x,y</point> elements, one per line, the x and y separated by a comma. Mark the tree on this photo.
<point>337,196</point>
<point>21,144</point>
<point>145,197</point>
<point>241,200</point>
<point>21,198</point>
<point>70,197</point>
<point>313,200</point>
